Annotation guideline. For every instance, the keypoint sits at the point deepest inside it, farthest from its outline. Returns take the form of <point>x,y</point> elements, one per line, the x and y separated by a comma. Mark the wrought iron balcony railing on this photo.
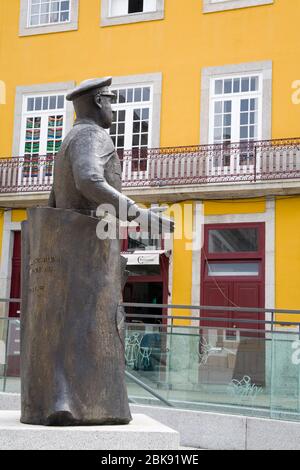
<point>170,166</point>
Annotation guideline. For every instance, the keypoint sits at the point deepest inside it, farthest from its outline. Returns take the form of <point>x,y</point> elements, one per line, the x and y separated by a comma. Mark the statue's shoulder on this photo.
<point>90,135</point>
<point>83,130</point>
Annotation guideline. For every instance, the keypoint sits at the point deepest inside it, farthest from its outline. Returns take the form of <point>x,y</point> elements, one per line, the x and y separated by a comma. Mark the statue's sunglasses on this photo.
<point>112,96</point>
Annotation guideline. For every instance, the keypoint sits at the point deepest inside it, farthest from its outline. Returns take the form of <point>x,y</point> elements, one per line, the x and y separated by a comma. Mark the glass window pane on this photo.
<point>46,102</point>
<point>65,5</point>
<point>55,6</point>
<point>44,19</point>
<point>137,115</point>
<point>144,139</point>
<point>253,118</point>
<point>35,9</point>
<point>254,83</point>
<point>122,96</point>
<point>30,104</point>
<point>121,128</point>
<point>244,118</point>
<point>136,140</point>
<point>38,104</point>
<point>228,86</point>
<point>218,87</point>
<point>60,102</point>
<point>253,104</point>
<point>218,120</point>
<point>136,127</point>
<point>244,105</point>
<point>64,16</point>
<point>146,94</point>
<point>54,17</point>
<point>129,95</point>
<point>218,107</point>
<point>227,133</point>
<point>145,113</point>
<point>120,141</point>
<point>34,20</point>
<point>53,102</point>
<point>233,240</point>
<point>135,6</point>
<point>244,132</point>
<point>236,85</point>
<point>227,106</point>
<point>218,133</point>
<point>45,8</point>
<point>138,94</point>
<point>227,119</point>
<point>233,269</point>
<point>121,115</point>
<point>245,84</point>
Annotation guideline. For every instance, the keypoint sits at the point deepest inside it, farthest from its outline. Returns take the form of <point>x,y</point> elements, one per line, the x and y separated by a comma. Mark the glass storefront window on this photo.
<point>233,269</point>
<point>142,241</point>
<point>233,240</point>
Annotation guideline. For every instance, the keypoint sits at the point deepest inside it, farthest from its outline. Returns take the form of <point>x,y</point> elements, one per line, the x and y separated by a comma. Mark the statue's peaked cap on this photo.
<point>91,84</point>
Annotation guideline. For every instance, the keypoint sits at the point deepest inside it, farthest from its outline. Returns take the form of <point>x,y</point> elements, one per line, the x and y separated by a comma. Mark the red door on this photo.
<point>15,290</point>
<point>13,347</point>
<point>233,275</point>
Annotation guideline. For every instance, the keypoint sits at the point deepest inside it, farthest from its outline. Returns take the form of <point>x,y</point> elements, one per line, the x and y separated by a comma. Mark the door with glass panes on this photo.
<point>42,133</point>
<point>235,124</point>
<point>233,276</point>
<point>131,130</point>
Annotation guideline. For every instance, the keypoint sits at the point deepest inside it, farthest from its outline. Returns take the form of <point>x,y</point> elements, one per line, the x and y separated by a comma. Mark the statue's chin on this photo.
<point>106,125</point>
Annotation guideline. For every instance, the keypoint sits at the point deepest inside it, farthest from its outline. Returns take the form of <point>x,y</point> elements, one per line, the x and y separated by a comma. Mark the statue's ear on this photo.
<point>97,99</point>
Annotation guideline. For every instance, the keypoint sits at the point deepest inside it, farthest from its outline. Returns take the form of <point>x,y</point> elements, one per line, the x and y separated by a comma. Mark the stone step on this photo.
<point>143,433</point>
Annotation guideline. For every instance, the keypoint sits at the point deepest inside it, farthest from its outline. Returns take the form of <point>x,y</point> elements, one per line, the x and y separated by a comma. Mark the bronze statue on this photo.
<point>72,345</point>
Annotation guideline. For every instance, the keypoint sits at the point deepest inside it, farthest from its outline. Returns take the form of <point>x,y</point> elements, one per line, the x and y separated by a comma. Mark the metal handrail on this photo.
<point>148,389</point>
<point>276,159</point>
<point>210,307</point>
<point>193,307</point>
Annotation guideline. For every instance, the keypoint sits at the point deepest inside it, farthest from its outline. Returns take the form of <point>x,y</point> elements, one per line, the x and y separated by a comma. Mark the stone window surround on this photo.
<point>154,79</point>
<point>25,30</point>
<point>39,89</point>
<point>210,7</point>
<point>264,67</point>
<point>107,20</point>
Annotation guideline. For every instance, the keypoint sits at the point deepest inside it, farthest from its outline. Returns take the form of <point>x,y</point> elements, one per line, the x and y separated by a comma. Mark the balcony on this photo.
<point>244,168</point>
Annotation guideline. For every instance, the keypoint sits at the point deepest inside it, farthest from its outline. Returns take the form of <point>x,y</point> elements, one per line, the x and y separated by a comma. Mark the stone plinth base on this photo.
<point>143,433</point>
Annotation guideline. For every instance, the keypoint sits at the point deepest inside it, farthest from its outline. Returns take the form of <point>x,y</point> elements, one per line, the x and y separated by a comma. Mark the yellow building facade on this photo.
<point>205,73</point>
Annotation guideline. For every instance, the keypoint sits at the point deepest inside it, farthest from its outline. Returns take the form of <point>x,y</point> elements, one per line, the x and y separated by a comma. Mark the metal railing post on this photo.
<point>255,163</point>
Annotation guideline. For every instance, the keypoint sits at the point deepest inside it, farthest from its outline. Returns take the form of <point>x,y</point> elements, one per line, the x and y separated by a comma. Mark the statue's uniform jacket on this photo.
<point>87,169</point>
<point>72,347</point>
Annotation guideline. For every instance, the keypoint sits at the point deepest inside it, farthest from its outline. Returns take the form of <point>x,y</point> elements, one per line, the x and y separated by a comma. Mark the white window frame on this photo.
<point>218,164</point>
<point>250,68</point>
<point>130,108</point>
<point>210,6</point>
<point>234,98</point>
<point>154,81</point>
<point>22,93</point>
<point>44,114</point>
<point>108,20</point>
<point>25,29</point>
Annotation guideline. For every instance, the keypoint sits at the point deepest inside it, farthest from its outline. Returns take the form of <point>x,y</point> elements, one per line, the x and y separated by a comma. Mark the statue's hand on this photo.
<point>155,221</point>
